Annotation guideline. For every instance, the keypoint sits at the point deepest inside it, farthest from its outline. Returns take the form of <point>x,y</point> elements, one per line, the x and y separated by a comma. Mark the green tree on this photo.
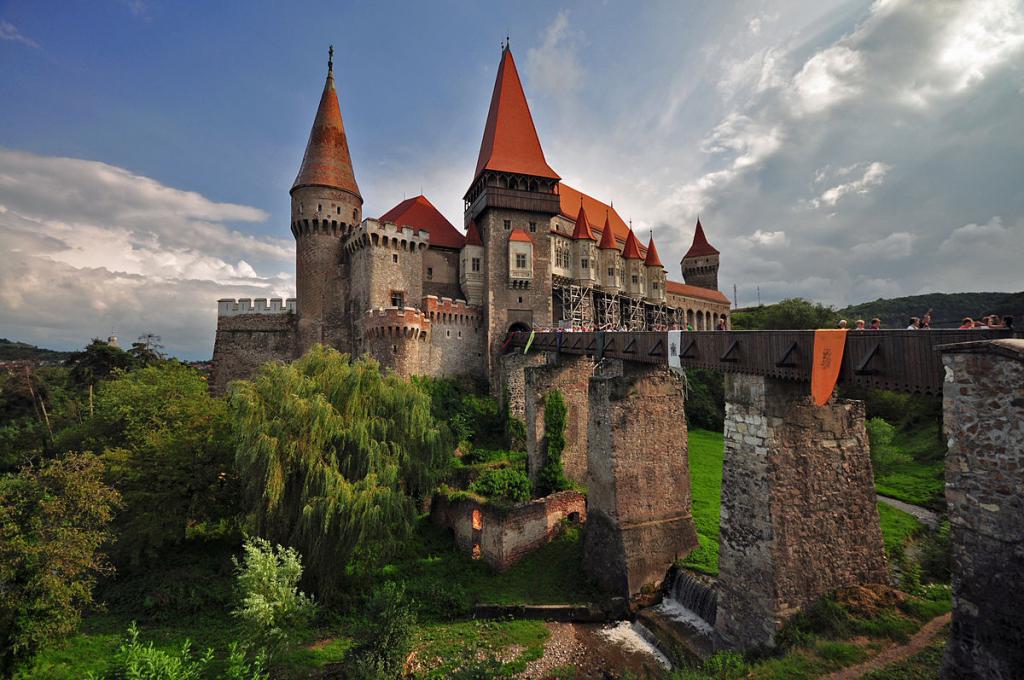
<point>53,520</point>
<point>789,314</point>
<point>551,477</point>
<point>98,361</point>
<point>167,449</point>
<point>384,636</point>
<point>508,484</point>
<point>334,455</point>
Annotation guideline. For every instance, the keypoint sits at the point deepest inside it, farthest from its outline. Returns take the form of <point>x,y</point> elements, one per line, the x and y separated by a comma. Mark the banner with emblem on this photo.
<point>828,359</point>
<point>675,348</point>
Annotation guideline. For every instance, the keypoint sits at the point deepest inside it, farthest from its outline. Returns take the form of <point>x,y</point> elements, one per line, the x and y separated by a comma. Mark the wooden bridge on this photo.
<point>905,361</point>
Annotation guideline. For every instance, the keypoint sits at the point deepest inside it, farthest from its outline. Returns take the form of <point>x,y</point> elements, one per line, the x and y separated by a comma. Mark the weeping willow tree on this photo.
<point>333,455</point>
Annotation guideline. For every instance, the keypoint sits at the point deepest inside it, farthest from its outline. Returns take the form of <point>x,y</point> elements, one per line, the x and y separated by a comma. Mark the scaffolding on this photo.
<point>633,311</point>
<point>657,317</point>
<point>608,317</point>
<point>577,306</point>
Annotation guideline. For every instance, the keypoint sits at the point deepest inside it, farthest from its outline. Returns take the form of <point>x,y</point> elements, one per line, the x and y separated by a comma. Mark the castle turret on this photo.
<point>610,273</point>
<point>655,274</point>
<point>700,264</point>
<point>326,205</point>
<point>512,199</point>
<point>584,250</point>
<point>633,261</point>
<point>471,266</point>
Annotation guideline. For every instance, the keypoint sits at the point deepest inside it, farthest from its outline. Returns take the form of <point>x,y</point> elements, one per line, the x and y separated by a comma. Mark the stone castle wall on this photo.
<point>397,338</point>
<point>441,273</point>
<point>503,537</point>
<point>246,341</point>
<point>570,375</point>
<point>983,405</point>
<point>798,516</point>
<point>509,385</point>
<point>457,339</point>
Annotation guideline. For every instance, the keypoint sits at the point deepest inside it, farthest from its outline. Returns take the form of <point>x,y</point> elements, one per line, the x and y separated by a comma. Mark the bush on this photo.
<point>53,521</point>
<point>551,477</point>
<point>271,606</point>
<point>884,455</point>
<point>385,635</point>
<point>136,661</point>
<point>705,399</point>
<point>936,555</point>
<point>507,484</point>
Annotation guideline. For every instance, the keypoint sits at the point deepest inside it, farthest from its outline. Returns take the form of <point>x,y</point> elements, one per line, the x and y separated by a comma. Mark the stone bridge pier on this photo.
<point>798,515</point>
<point>639,516</point>
<point>983,410</point>
<point>569,374</point>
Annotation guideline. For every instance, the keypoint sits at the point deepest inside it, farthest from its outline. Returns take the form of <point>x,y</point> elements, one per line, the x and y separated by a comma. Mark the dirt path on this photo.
<point>895,653</point>
<point>925,516</point>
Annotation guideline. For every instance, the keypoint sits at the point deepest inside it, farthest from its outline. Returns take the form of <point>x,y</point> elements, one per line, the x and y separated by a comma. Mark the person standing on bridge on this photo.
<point>876,324</point>
<point>858,325</point>
<point>915,324</point>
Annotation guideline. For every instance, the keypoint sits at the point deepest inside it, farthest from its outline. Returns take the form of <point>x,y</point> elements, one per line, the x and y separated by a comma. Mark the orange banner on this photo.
<point>828,358</point>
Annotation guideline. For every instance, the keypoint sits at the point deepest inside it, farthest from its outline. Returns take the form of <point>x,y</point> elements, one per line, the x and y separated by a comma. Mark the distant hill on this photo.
<point>948,309</point>
<point>11,350</point>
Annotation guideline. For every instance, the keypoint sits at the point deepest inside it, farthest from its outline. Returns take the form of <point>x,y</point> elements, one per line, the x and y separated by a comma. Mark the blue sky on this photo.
<point>841,151</point>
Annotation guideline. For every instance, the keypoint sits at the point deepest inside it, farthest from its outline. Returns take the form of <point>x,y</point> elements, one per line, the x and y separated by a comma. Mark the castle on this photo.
<point>423,298</point>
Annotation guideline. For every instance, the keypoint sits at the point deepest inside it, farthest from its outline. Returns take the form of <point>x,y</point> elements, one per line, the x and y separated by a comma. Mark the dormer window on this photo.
<point>520,260</point>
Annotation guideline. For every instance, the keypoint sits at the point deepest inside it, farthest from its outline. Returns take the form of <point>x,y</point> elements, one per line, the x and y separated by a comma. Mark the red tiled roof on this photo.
<point>519,235</point>
<point>652,255</point>
<point>510,142</point>
<point>570,199</point>
<point>582,230</point>
<point>676,288</point>
<point>700,244</point>
<point>327,161</point>
<point>419,213</point>
<point>607,237</point>
<point>473,235</point>
<point>632,249</point>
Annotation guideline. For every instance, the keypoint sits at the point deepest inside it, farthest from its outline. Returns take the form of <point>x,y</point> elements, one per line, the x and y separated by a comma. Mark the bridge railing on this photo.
<point>905,361</point>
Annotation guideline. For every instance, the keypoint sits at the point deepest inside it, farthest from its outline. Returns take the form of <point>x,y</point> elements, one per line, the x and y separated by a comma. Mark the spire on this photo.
<point>473,235</point>
<point>607,237</point>
<point>652,255</point>
<point>632,249</point>
<point>582,230</point>
<point>327,161</point>
<point>700,244</point>
<point>510,142</point>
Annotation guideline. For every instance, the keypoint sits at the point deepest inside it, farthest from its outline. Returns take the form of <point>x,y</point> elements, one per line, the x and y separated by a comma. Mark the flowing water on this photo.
<point>691,594</point>
<point>634,637</point>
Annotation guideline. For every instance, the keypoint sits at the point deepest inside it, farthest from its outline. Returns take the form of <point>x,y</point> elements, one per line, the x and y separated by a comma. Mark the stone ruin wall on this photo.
<point>248,336</point>
<point>569,375</point>
<point>503,537</point>
<point>983,407</point>
<point>798,515</point>
<point>510,385</point>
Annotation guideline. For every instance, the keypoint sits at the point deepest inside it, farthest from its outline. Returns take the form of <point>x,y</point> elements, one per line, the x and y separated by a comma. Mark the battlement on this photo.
<point>447,310</point>
<point>407,322</point>
<point>388,235</point>
<point>232,307</point>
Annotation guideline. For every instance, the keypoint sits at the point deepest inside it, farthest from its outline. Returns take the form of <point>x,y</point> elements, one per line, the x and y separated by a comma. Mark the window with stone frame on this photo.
<point>636,279</point>
<point>398,298</point>
<point>508,224</point>
<point>533,226</point>
<point>585,264</point>
<point>520,261</point>
<point>430,272</point>
<point>476,264</point>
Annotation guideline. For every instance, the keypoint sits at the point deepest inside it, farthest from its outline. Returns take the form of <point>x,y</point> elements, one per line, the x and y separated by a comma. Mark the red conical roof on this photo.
<point>652,255</point>
<point>327,161</point>
<point>608,237</point>
<point>473,235</point>
<point>700,244</point>
<point>582,230</point>
<point>510,142</point>
<point>632,249</point>
<point>419,213</point>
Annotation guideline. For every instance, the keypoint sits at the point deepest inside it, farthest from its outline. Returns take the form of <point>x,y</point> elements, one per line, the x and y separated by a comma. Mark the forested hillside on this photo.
<point>947,308</point>
<point>11,350</point>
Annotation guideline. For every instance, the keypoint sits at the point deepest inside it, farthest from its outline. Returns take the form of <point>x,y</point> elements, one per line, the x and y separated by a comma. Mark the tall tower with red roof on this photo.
<point>700,264</point>
<point>511,201</point>
<point>326,205</point>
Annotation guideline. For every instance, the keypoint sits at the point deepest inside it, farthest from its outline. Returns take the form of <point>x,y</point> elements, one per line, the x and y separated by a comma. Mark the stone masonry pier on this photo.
<point>983,406</point>
<point>639,517</point>
<point>798,506</point>
<point>569,375</point>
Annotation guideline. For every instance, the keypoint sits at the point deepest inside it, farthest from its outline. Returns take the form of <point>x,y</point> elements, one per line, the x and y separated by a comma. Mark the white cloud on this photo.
<point>828,78</point>
<point>896,245</point>
<point>553,68</point>
<point>94,248</point>
<point>972,239</point>
<point>768,238</point>
<point>9,31</point>
<point>874,175</point>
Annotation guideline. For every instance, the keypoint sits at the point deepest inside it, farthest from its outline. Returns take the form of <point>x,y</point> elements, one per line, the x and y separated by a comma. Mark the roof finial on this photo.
<point>330,60</point>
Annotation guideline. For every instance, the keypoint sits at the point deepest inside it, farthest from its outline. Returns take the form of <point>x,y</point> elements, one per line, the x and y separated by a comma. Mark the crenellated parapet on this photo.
<point>374,233</point>
<point>396,322</point>
<point>445,310</point>
<point>232,307</point>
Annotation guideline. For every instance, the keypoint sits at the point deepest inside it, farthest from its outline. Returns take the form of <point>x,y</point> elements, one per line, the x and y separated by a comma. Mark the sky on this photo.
<point>838,151</point>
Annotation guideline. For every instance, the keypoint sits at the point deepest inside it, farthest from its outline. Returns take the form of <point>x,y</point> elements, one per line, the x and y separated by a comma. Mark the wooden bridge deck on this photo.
<point>905,361</point>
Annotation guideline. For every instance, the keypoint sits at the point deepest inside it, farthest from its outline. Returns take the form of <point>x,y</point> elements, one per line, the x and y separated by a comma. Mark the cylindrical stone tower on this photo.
<point>326,205</point>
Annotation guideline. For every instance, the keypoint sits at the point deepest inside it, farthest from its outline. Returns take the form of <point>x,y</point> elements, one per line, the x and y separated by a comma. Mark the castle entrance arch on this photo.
<point>519,327</point>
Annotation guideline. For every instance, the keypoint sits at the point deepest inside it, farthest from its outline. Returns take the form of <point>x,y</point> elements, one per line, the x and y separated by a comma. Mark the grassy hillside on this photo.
<point>947,308</point>
<point>11,350</point>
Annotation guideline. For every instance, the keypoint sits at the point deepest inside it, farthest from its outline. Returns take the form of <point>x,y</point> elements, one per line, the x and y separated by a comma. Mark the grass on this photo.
<point>920,478</point>
<point>477,648</point>
<point>924,665</point>
<point>706,455</point>
<point>897,527</point>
